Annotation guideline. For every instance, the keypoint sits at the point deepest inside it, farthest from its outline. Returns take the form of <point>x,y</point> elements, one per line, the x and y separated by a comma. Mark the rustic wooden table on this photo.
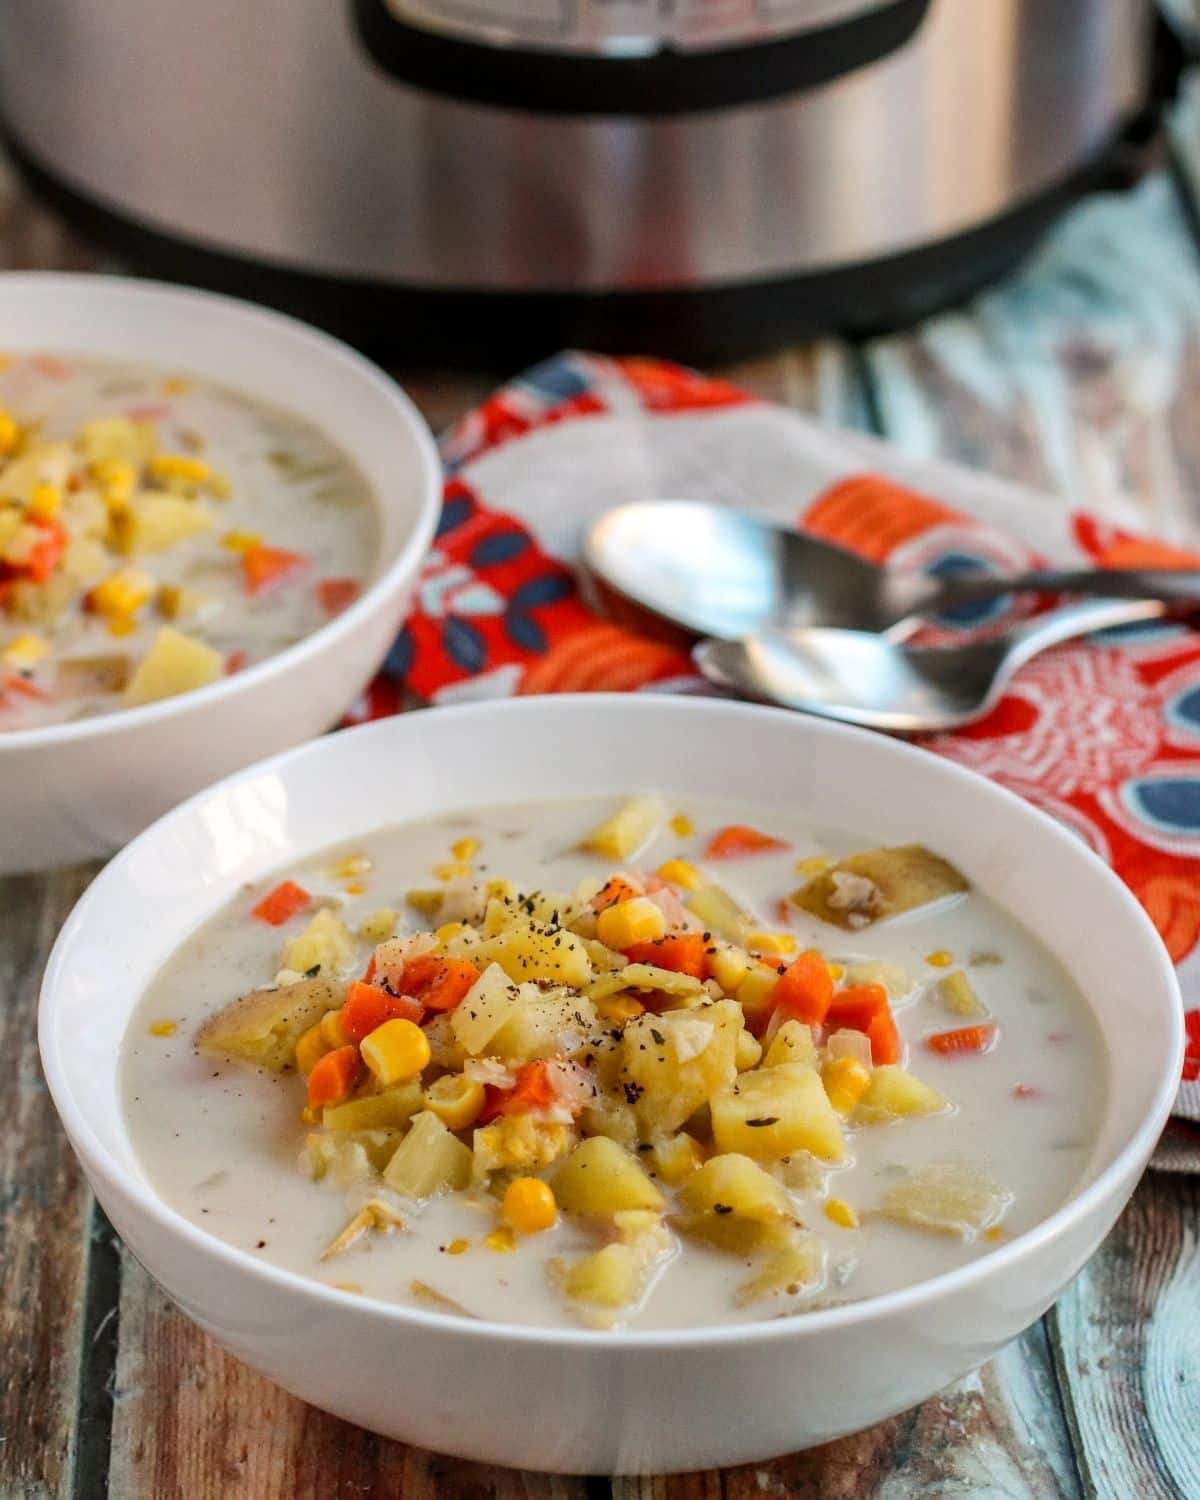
<point>1082,378</point>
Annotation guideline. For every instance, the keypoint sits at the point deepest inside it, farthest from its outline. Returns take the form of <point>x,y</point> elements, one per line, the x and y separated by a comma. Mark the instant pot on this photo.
<point>443,178</point>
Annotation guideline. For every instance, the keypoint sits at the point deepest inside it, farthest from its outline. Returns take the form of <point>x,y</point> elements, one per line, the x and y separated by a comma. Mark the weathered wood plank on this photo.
<point>44,1212</point>
<point>996,1433</point>
<point>1127,1336</point>
<point>1080,375</point>
<point>190,1420</point>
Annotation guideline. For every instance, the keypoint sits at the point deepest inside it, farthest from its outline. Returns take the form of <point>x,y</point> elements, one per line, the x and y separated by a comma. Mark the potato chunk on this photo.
<point>599,1177</point>
<point>536,1026</point>
<point>263,1026</point>
<point>892,1093</point>
<point>947,1198</point>
<point>156,521</point>
<point>526,951</point>
<point>771,1112</point>
<point>794,1269</point>
<point>175,663</point>
<point>733,1184</point>
<point>674,1063</point>
<point>628,830</point>
<point>429,1160</point>
<point>878,883</point>
<point>326,943</point>
<point>484,1009</point>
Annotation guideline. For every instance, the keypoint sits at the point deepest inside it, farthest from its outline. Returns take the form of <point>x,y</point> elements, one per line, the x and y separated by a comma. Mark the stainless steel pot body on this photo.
<point>260,128</point>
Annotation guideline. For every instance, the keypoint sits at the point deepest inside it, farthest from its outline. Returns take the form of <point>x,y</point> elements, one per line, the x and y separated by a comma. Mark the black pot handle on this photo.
<point>667,83</point>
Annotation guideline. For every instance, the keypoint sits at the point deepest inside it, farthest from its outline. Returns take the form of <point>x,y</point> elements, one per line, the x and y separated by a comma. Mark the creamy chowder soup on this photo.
<point>655,1066</point>
<point>158,532</point>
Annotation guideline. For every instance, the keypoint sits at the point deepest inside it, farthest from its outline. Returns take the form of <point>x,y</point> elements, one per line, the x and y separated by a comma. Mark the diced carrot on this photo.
<point>681,952</point>
<point>437,983</point>
<point>235,661</point>
<point>333,1076</point>
<point>46,553</point>
<point>964,1039</point>
<point>282,904</point>
<point>614,890</point>
<point>805,989</point>
<point>367,1007</point>
<point>865,1008</point>
<point>857,1005</point>
<point>738,840</point>
<point>337,594</point>
<point>532,1090</point>
<point>21,687</point>
<point>882,1032</point>
<point>266,568</point>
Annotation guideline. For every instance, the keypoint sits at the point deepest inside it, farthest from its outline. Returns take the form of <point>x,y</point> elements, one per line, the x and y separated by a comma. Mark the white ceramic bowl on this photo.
<point>73,791</point>
<point>579,1400</point>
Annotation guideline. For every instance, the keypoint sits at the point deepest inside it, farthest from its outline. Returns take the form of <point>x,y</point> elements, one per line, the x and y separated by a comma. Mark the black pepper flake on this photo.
<point>722,1208</point>
<point>313,972</point>
<point>633,1092</point>
<point>763,1120</point>
<point>658,1037</point>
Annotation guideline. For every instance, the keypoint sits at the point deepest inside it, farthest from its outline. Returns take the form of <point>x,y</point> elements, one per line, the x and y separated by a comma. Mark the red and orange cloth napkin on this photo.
<point>1103,734</point>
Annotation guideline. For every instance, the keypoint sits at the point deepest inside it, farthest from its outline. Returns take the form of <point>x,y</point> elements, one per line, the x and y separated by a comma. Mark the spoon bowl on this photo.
<point>866,679</point>
<point>723,573</point>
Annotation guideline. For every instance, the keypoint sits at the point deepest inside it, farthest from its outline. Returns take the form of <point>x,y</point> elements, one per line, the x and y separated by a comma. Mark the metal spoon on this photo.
<point>866,679</point>
<point>719,572</point>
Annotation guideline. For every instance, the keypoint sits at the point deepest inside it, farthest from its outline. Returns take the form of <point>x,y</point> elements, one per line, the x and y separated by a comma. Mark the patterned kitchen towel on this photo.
<point>1103,734</point>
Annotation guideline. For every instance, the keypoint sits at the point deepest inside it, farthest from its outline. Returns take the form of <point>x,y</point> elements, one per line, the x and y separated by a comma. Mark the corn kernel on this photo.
<point>448,931</point>
<point>428,903</point>
<point>681,872</point>
<point>309,1116</point>
<point>379,925</point>
<point>619,1008</point>
<point>396,1051</point>
<point>179,466</point>
<point>10,432</point>
<point>458,1247</point>
<point>779,943</point>
<point>837,971</point>
<point>996,1232</point>
<point>637,920</point>
<point>464,849</point>
<point>451,872</point>
<point>24,652</point>
<point>676,1157</point>
<point>311,1047</point>
<point>457,1101</point>
<point>331,1029</point>
<point>355,888</point>
<point>941,959</point>
<point>122,593</point>
<point>176,385</point>
<point>846,1081</point>
<point>350,866</point>
<point>501,1239</point>
<point>529,1206</point>
<point>241,541</point>
<point>45,501</point>
<point>347,1286</point>
<point>682,827</point>
<point>121,625</point>
<point>164,1028</point>
<point>814,864</point>
<point>840,1212</point>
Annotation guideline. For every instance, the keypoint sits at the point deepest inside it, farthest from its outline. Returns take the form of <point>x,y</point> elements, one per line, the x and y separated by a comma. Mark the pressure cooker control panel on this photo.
<point>639,57</point>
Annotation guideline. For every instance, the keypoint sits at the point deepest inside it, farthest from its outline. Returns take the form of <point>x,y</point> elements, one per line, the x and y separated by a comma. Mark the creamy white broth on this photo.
<point>289,484</point>
<point>220,1141</point>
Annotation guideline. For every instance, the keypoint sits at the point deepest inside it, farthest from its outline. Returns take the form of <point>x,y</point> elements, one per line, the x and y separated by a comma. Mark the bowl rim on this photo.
<point>905,1300</point>
<point>321,345</point>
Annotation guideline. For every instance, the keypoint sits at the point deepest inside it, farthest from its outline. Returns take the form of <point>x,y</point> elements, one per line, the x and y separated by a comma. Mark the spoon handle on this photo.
<point>1073,620</point>
<point>1175,584</point>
